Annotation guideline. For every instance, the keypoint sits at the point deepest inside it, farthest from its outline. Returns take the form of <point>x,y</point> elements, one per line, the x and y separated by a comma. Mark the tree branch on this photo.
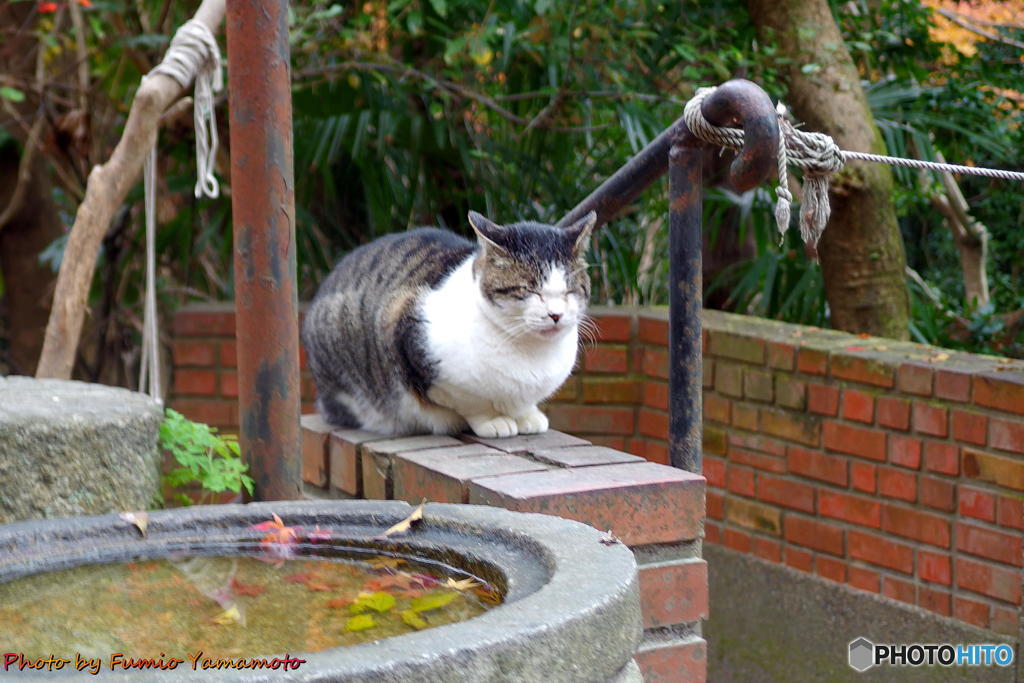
<point>967,24</point>
<point>107,186</point>
<point>24,171</point>
<point>969,236</point>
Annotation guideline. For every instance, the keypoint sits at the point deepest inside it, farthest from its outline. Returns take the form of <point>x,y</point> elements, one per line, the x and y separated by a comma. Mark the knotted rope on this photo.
<point>819,157</point>
<point>193,54</point>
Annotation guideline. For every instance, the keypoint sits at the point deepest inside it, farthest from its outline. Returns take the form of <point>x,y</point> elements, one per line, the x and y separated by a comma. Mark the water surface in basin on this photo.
<point>231,606</point>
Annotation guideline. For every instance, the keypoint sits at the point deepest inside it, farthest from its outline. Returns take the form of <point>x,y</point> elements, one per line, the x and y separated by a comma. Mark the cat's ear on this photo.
<point>579,232</point>
<point>486,230</point>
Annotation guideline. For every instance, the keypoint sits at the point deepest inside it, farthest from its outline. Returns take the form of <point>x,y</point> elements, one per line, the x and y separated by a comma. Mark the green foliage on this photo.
<point>928,100</point>
<point>780,281</point>
<point>411,113</point>
<point>205,457</point>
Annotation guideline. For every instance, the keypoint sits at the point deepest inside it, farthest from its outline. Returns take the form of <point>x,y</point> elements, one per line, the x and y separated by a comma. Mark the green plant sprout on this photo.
<point>210,459</point>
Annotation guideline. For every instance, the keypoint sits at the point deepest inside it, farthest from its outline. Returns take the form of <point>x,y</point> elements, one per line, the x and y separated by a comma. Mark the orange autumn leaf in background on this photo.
<point>51,7</point>
<point>981,15</point>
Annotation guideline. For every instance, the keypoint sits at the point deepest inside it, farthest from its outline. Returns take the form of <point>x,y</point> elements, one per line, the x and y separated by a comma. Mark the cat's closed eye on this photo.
<point>514,292</point>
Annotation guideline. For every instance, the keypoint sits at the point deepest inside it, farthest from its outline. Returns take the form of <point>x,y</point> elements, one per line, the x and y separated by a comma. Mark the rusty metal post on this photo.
<point>685,302</point>
<point>263,206</point>
<point>735,103</point>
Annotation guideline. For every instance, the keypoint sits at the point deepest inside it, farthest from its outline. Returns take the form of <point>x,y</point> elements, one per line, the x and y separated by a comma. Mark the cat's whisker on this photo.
<point>588,331</point>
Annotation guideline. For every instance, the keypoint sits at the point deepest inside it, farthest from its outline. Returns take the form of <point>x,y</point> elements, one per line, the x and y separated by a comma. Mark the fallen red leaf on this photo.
<point>388,582</point>
<point>339,602</point>
<point>250,589</point>
<point>317,587</point>
<point>280,540</point>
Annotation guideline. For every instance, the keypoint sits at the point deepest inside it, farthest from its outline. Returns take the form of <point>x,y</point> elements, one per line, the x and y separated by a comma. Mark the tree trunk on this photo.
<point>861,252</point>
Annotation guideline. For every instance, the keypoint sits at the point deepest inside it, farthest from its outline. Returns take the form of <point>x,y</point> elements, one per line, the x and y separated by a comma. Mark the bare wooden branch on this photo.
<point>24,172</point>
<point>969,24</point>
<point>106,189</point>
<point>969,236</point>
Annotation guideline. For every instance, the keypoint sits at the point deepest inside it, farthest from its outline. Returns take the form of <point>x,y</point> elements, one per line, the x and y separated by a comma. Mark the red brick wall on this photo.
<point>895,468</point>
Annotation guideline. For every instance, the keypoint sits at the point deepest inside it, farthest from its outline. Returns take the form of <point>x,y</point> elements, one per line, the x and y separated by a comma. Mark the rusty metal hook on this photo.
<point>740,103</point>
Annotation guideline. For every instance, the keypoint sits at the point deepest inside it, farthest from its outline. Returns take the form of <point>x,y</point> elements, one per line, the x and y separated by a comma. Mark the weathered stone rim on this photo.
<point>571,611</point>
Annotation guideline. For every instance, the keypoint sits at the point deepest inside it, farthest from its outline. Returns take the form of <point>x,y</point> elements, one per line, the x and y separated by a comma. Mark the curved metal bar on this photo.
<point>735,103</point>
<point>743,104</point>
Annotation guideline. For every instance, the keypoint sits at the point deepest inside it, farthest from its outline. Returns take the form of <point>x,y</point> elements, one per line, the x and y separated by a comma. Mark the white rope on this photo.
<point>819,157</point>
<point>149,369</point>
<point>193,54</point>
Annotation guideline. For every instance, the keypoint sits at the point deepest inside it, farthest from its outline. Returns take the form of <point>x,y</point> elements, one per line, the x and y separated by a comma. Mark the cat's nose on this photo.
<point>555,316</point>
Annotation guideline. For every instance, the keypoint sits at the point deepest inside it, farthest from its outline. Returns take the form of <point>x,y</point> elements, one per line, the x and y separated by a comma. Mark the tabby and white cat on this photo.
<point>425,331</point>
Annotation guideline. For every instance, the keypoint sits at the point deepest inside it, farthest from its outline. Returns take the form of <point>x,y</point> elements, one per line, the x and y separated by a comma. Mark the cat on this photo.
<point>426,331</point>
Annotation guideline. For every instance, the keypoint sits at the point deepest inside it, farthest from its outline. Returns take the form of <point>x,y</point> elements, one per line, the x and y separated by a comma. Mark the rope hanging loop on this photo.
<point>194,54</point>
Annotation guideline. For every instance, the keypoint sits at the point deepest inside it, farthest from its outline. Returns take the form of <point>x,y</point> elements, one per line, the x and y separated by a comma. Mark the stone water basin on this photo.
<point>569,602</point>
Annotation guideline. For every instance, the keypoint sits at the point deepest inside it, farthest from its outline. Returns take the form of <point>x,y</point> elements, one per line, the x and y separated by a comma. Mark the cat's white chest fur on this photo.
<point>492,368</point>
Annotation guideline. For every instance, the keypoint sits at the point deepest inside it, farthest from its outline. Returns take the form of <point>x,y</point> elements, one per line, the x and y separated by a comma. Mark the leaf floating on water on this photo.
<point>378,602</point>
<point>360,623</point>
<point>250,589</point>
<point>317,587</point>
<point>413,619</point>
<point>229,616</point>
<point>280,541</point>
<point>339,602</point>
<point>382,562</point>
<point>407,523</point>
<point>431,601</point>
<point>318,535</point>
<point>397,581</point>
<point>489,595</point>
<point>139,519</point>
<point>461,584</point>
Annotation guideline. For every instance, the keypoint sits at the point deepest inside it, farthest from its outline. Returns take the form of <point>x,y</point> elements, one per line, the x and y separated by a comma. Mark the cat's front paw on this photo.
<point>532,423</point>
<point>496,427</point>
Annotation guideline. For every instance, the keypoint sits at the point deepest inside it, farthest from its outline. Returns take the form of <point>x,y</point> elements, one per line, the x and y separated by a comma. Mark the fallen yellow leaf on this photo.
<point>360,623</point>
<point>407,523</point>
<point>461,585</point>
<point>139,519</point>
<point>229,616</point>
<point>413,619</point>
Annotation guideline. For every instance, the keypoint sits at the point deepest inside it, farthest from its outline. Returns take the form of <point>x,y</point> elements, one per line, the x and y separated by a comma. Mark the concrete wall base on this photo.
<point>772,623</point>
